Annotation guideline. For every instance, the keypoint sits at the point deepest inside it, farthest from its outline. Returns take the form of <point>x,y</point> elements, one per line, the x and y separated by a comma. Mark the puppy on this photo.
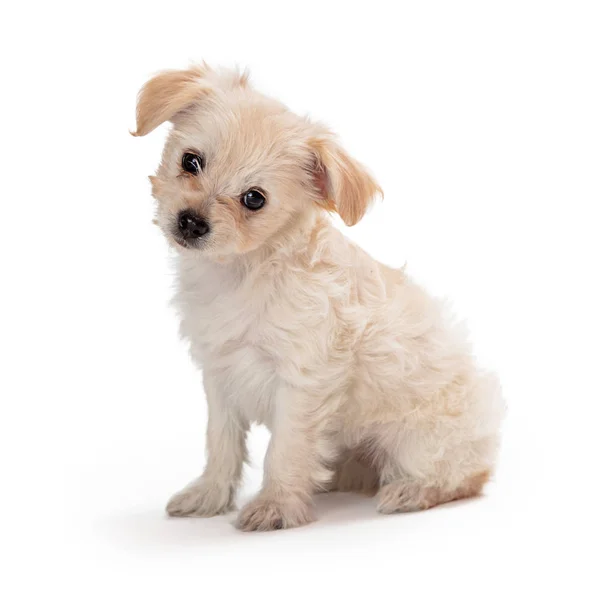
<point>363,382</point>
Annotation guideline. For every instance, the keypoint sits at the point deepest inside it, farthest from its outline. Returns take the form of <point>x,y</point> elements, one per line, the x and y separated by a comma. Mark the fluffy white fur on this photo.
<point>360,376</point>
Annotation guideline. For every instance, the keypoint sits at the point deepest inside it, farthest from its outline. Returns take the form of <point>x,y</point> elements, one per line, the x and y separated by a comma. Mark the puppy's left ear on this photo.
<point>168,93</point>
<point>342,183</point>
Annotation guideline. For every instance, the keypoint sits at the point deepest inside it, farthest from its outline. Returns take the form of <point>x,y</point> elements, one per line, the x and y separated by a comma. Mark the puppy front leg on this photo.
<point>293,466</point>
<point>213,493</point>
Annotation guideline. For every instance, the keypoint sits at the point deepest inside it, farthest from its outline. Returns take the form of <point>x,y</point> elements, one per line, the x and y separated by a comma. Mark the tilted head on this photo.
<point>239,168</point>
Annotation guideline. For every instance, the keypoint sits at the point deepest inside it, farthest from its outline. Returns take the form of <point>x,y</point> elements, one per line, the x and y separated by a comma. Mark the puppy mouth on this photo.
<point>181,242</point>
<point>188,243</point>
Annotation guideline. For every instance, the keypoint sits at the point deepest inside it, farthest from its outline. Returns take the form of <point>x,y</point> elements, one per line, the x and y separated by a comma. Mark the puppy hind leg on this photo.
<point>424,468</point>
<point>443,452</point>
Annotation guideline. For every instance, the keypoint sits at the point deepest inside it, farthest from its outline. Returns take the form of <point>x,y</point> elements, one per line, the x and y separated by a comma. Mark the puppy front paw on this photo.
<point>201,498</point>
<point>265,514</point>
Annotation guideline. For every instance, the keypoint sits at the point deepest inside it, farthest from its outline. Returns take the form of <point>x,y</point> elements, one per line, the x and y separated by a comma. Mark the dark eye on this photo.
<point>192,163</point>
<point>253,199</point>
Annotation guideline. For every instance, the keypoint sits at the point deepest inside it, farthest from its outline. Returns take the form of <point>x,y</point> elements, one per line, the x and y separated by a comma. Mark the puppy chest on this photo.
<point>249,380</point>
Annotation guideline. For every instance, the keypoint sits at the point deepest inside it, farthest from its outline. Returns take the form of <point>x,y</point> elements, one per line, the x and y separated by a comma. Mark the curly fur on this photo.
<point>361,377</point>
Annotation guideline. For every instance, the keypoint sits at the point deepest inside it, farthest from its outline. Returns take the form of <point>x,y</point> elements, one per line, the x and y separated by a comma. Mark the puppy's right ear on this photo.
<point>168,93</point>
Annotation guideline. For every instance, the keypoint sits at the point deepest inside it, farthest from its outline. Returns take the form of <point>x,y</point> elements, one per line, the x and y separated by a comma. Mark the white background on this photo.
<point>481,121</point>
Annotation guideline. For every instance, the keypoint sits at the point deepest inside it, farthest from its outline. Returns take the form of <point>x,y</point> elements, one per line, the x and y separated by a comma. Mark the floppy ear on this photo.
<point>342,183</point>
<point>166,94</point>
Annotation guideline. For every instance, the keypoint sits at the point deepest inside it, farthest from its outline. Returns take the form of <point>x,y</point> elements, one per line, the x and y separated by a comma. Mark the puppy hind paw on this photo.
<point>201,499</point>
<point>400,496</point>
<point>406,496</point>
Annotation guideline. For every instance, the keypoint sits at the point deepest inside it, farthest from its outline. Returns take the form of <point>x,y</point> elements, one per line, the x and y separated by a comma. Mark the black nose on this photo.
<point>191,226</point>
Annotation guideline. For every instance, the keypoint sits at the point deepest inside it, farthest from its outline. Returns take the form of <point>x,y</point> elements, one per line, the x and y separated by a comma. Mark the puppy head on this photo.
<point>238,168</point>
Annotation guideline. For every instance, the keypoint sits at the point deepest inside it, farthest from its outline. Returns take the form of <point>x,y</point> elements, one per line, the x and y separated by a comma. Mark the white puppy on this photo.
<point>363,382</point>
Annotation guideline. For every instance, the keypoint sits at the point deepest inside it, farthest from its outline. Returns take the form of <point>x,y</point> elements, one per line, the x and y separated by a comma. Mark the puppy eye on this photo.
<point>253,199</point>
<point>192,163</point>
